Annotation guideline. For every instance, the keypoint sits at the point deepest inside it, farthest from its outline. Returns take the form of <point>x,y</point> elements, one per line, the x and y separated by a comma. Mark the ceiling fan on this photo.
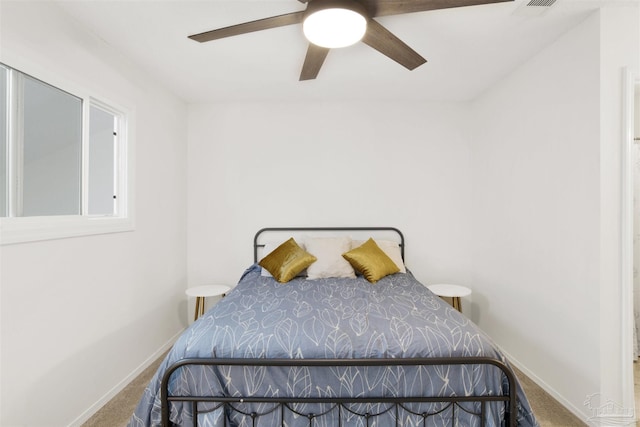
<point>331,24</point>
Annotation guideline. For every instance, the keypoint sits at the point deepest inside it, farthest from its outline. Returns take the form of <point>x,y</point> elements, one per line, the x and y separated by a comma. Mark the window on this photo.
<point>4,136</point>
<point>63,162</point>
<point>103,137</point>
<point>48,150</point>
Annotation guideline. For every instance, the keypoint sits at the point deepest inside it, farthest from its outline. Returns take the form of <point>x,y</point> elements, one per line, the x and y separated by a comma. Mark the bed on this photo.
<point>329,347</point>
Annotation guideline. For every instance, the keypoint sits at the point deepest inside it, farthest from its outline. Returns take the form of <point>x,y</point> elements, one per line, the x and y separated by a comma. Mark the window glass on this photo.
<point>4,139</point>
<point>102,146</point>
<point>51,150</point>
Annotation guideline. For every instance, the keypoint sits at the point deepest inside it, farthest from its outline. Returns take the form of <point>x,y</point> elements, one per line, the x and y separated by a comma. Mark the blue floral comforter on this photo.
<point>397,317</point>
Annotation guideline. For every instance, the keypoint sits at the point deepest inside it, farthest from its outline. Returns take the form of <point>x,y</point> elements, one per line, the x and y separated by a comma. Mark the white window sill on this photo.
<point>33,229</point>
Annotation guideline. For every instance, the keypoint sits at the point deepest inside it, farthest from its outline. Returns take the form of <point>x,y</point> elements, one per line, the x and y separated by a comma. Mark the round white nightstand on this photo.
<point>201,292</point>
<point>455,292</point>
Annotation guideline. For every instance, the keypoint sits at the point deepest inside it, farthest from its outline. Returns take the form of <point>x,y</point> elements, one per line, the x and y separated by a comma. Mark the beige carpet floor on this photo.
<point>116,412</point>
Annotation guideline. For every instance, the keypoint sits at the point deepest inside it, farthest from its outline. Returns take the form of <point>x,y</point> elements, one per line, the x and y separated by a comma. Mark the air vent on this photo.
<point>541,3</point>
<point>534,7</point>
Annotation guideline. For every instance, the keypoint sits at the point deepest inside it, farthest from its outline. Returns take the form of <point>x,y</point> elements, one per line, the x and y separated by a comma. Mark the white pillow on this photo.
<point>329,252</point>
<point>389,247</point>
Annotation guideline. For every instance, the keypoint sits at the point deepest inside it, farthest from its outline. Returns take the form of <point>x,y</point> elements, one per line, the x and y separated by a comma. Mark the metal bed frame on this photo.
<point>341,405</point>
<point>257,245</point>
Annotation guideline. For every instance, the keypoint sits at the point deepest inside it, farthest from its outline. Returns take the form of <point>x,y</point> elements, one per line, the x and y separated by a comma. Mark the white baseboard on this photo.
<point>122,384</point>
<point>546,387</point>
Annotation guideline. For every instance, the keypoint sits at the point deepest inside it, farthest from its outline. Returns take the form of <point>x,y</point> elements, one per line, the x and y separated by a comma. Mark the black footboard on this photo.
<point>340,405</point>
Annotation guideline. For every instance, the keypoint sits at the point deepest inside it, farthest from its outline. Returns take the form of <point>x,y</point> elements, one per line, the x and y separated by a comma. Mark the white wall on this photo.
<point>620,47</point>
<point>81,315</point>
<point>257,165</point>
<point>546,197</point>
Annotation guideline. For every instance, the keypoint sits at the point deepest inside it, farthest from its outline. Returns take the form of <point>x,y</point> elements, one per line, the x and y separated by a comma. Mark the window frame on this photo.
<point>15,229</point>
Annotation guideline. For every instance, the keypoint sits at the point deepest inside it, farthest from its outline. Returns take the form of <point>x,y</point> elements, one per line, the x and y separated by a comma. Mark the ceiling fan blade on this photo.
<point>382,40</point>
<point>394,7</point>
<point>313,61</point>
<point>248,27</point>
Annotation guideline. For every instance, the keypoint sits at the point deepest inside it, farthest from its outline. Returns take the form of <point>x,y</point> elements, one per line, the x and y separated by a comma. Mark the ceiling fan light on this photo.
<point>334,27</point>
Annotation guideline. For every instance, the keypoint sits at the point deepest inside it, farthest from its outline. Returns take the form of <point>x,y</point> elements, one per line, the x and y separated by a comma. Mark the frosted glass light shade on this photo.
<point>334,27</point>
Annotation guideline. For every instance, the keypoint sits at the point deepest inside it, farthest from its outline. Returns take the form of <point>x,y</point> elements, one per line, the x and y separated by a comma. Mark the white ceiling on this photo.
<point>467,49</point>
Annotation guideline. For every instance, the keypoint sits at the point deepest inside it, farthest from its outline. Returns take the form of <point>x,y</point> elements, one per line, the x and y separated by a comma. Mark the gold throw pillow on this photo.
<point>286,261</point>
<point>371,261</point>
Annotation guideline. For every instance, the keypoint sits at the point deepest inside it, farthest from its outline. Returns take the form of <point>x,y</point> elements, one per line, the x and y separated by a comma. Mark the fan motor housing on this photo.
<point>316,5</point>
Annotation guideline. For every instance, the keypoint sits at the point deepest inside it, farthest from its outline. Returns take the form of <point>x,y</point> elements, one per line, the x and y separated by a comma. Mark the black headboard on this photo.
<point>257,240</point>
